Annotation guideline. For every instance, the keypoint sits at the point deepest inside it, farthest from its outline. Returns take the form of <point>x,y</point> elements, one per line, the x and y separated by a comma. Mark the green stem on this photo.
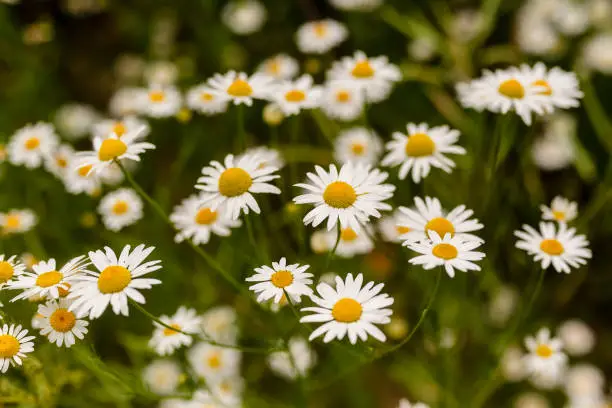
<point>156,319</point>
<point>240,124</point>
<point>332,253</point>
<point>250,232</point>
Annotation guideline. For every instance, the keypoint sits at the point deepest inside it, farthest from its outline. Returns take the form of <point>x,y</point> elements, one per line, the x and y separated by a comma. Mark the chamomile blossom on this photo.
<point>160,101</point>
<point>502,91</point>
<point>116,280</point>
<point>559,88</point>
<point>556,148</point>
<point>393,227</point>
<point>166,341</point>
<point>545,355</point>
<point>450,252</point>
<point>374,76</point>
<point>318,37</point>
<point>74,120</point>
<point>239,88</point>
<point>31,144</point>
<point>348,197</point>
<point>59,324</point>
<point>17,221</point>
<point>195,220</point>
<point>162,376</point>
<point>421,149</point>
<point>578,338</point>
<point>79,179</point>
<point>350,308</point>
<point>597,53</point>
<point>126,101</point>
<point>202,99</point>
<point>296,361</point>
<point>234,182</point>
<point>561,246</point>
<point>58,162</point>
<point>351,243</point>
<point>428,216</point>
<point>120,208</point>
<point>244,17</point>
<point>280,67</point>
<point>113,147</point>
<point>227,390</point>
<point>341,100</point>
<point>404,403</point>
<point>10,268</point>
<point>293,96</point>
<point>14,345</point>
<point>213,362</point>
<point>46,280</point>
<point>358,145</point>
<point>220,325</point>
<point>561,210</point>
<point>120,127</point>
<point>266,157</point>
<point>273,282</point>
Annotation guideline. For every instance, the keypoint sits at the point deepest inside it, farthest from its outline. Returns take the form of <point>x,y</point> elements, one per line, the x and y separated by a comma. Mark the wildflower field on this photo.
<point>305,203</point>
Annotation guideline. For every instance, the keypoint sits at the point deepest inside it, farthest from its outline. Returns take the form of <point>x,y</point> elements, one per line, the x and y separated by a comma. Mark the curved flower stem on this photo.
<point>258,251</point>
<point>332,253</point>
<point>156,319</point>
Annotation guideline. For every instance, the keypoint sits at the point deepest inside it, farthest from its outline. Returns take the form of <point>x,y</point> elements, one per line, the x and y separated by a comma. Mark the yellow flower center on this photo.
<point>61,162</point>
<point>214,360</point>
<point>542,83</point>
<point>343,96</point>
<point>6,271</point>
<point>234,182</point>
<point>32,143</point>
<point>120,207</point>
<point>114,279</point>
<point>445,251</point>
<point>559,215</point>
<point>320,29</point>
<point>512,89</point>
<point>63,290</point>
<point>240,88</point>
<point>119,129</point>
<point>419,145</point>
<point>9,346</point>
<point>273,67</point>
<point>206,97</point>
<point>13,221</point>
<point>440,225</point>
<point>49,279</point>
<point>401,230</point>
<point>111,149</point>
<point>281,279</point>
<point>62,320</point>
<point>157,96</point>
<point>170,332</point>
<point>358,149</point>
<point>347,310</point>
<point>295,96</point>
<point>552,247</point>
<point>84,171</point>
<point>339,195</point>
<point>205,216</point>
<point>348,235</point>
<point>544,351</point>
<point>363,69</point>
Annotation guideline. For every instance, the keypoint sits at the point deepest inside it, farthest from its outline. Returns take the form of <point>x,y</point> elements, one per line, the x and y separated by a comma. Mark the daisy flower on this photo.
<point>58,162</point>
<point>358,145</point>
<point>293,96</point>
<point>450,252</point>
<point>31,144</point>
<point>421,149</point>
<point>10,268</point>
<point>17,221</point>
<point>349,197</point>
<point>160,101</point>
<point>79,179</point>
<point>165,341</point>
<point>351,243</point>
<point>126,101</point>
<point>545,355</point>
<point>120,127</point>
<point>196,221</point>
<point>342,101</point>
<point>266,157</point>
<point>162,376</point>
<point>280,67</point>
<point>298,360</point>
<point>244,17</point>
<point>428,216</point>
<point>219,324</point>
<point>561,210</point>
<point>14,345</point>
<point>273,282</point>
<point>201,98</point>
<point>239,88</point>
<point>234,182</point>
<point>213,362</point>
<point>318,37</point>
<point>228,390</point>
<point>560,247</point>
<point>74,120</point>
<point>350,308</point>
<point>560,88</point>
<point>59,324</point>
<point>116,281</point>
<point>113,148</point>
<point>404,403</point>
<point>393,227</point>
<point>46,281</point>
<point>120,209</point>
<point>374,76</point>
<point>502,91</point>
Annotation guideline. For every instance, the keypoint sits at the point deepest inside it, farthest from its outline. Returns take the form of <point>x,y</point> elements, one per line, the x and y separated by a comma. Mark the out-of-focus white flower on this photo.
<point>319,242</point>
<point>422,49</point>
<point>244,17</point>
<point>162,376</point>
<point>561,210</point>
<point>546,358</point>
<point>162,73</point>
<point>31,144</point>
<point>74,120</point>
<point>511,364</point>
<point>357,145</point>
<point>159,101</point>
<point>219,324</point>
<point>280,66</point>
<point>466,25</point>
<point>296,361</point>
<point>294,96</point>
<point>125,102</point>
<point>578,338</point>
<point>531,400</point>
<point>555,150</point>
<point>273,115</point>
<point>597,53</point>
<point>600,13</point>
<point>318,37</point>
<point>571,17</point>
<point>340,100</point>
<point>503,304</point>
<point>17,221</point>
<point>356,5</point>
<point>584,381</point>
